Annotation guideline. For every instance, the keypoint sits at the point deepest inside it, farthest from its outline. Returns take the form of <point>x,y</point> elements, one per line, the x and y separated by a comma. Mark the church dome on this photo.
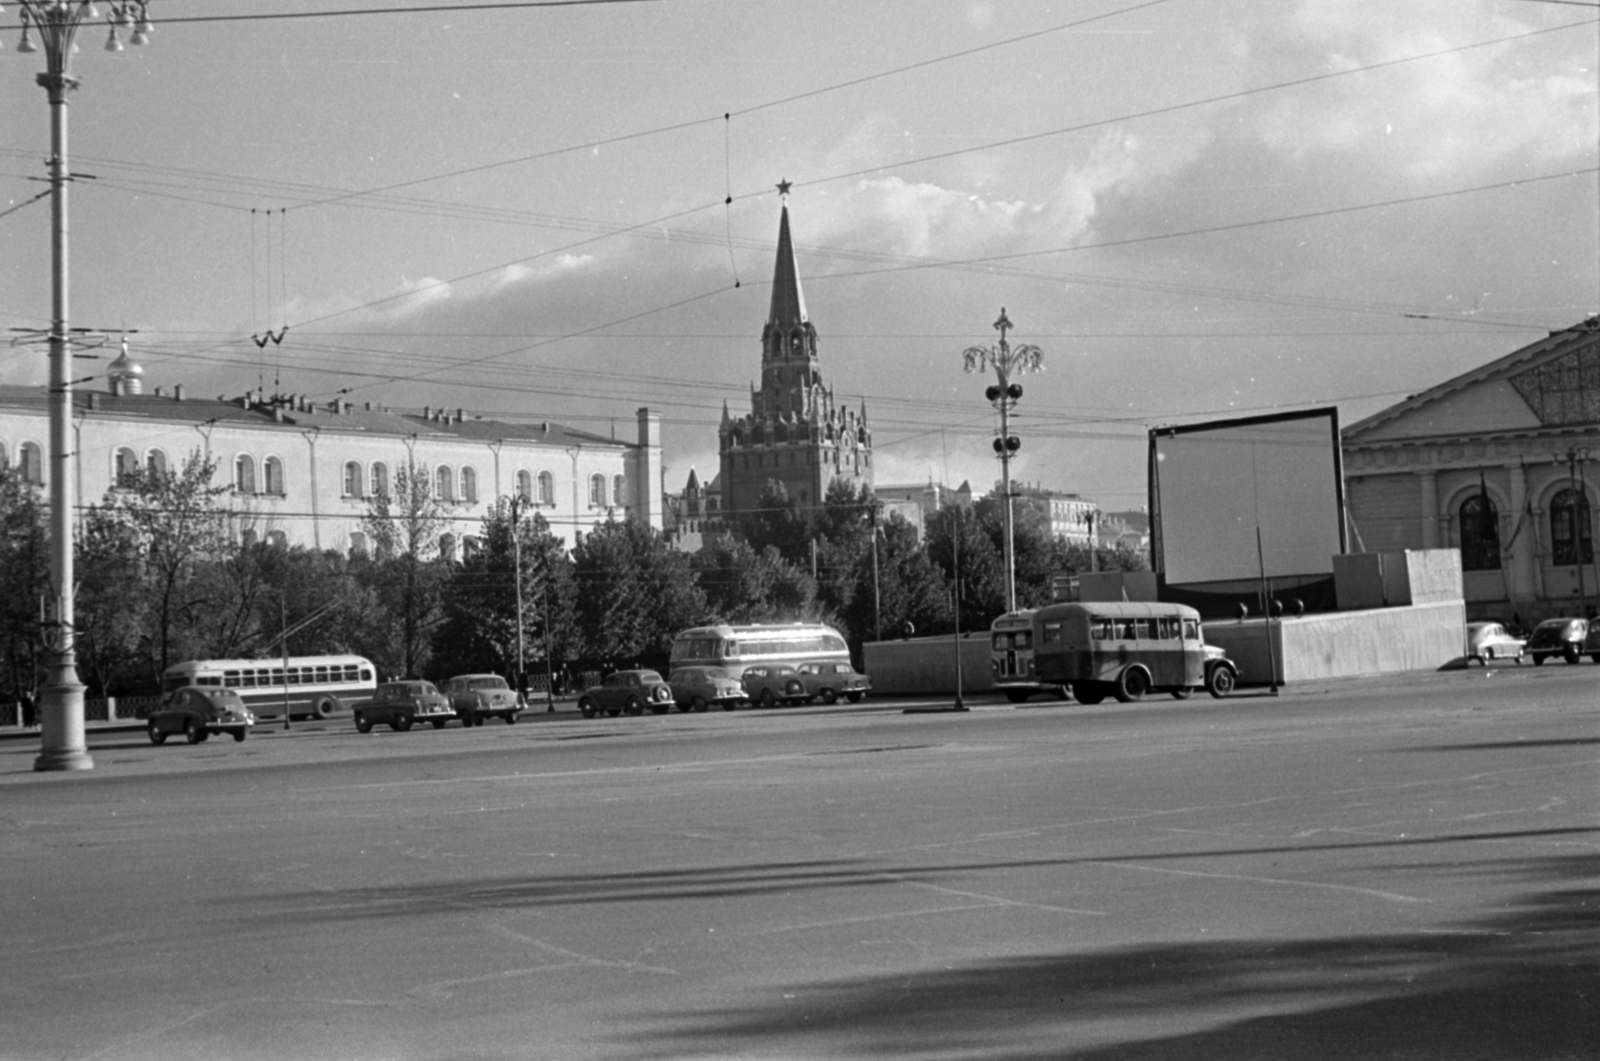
<point>125,375</point>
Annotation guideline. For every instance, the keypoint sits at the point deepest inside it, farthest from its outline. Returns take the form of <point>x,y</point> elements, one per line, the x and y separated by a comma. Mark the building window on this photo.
<point>469,547</point>
<point>1480,534</point>
<point>358,544</point>
<point>524,485</point>
<point>127,467</point>
<point>597,491</point>
<point>547,489</point>
<point>380,479</point>
<point>619,490</point>
<point>469,485</point>
<point>5,464</point>
<point>155,463</point>
<point>30,459</point>
<point>447,547</point>
<point>273,471</point>
<point>244,474</point>
<point>277,539</point>
<point>1569,513</point>
<point>444,482</point>
<point>353,479</point>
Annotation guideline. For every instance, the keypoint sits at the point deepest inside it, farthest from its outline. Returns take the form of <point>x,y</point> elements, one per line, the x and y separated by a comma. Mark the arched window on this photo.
<point>272,470</point>
<point>358,544</point>
<point>1570,542</point>
<point>444,483</point>
<point>470,546</point>
<point>447,547</point>
<point>354,479</point>
<point>524,485</point>
<point>127,467</point>
<point>30,459</point>
<point>244,474</point>
<point>1480,534</point>
<point>248,539</point>
<point>277,539</point>
<point>469,485</point>
<point>380,479</point>
<point>547,489</point>
<point>619,490</point>
<point>597,491</point>
<point>4,463</point>
<point>155,463</point>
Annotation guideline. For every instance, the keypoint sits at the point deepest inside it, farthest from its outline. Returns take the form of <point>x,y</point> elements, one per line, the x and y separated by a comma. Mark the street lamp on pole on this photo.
<point>55,24</point>
<point>1006,361</point>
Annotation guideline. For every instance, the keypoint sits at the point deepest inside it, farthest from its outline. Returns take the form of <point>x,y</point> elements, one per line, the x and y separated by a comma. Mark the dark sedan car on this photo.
<point>769,684</point>
<point>402,704</point>
<point>833,680</point>
<point>476,698</point>
<point>1558,637</point>
<point>199,712</point>
<point>627,690</point>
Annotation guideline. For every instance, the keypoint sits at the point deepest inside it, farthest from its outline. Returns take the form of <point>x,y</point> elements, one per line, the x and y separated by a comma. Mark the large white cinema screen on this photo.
<point>1214,485</point>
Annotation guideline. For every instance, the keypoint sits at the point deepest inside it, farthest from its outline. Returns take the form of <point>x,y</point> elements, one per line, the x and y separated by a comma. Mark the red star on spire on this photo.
<point>784,186</point>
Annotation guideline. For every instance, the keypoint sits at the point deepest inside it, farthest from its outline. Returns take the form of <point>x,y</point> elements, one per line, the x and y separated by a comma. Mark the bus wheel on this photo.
<point>326,707</point>
<point>1017,696</point>
<point>1182,692</point>
<point>1088,692</point>
<point>1219,682</point>
<point>1132,684</point>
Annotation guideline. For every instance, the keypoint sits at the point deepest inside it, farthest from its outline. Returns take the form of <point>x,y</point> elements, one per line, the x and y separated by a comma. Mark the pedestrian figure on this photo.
<point>29,712</point>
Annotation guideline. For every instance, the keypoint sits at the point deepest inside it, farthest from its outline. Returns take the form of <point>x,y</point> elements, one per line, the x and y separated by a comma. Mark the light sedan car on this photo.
<point>476,698</point>
<point>401,705</point>
<point>769,684</point>
<point>1488,642</point>
<point>829,681</point>
<point>197,713</point>
<point>697,688</point>
<point>627,690</point>
<point>1558,637</point>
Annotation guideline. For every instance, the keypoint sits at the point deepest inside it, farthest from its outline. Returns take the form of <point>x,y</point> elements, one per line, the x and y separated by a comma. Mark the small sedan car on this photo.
<point>478,697</point>
<point>697,688</point>
<point>833,680</point>
<point>1487,642</point>
<point>1558,637</point>
<point>769,684</point>
<point>197,713</point>
<point>401,705</point>
<point>627,690</point>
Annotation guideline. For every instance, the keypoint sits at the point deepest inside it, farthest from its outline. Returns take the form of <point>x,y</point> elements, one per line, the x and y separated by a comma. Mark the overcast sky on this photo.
<point>1197,208</point>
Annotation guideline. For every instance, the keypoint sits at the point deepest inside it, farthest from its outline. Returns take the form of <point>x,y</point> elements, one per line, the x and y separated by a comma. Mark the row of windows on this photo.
<point>1570,534</point>
<point>30,461</point>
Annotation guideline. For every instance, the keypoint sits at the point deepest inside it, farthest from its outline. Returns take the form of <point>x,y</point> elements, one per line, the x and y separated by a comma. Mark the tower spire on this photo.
<point>788,301</point>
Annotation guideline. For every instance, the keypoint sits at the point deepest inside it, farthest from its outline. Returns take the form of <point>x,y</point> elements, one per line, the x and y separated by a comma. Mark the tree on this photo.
<point>111,607</point>
<point>907,587</point>
<point>404,526</point>
<point>744,585</point>
<point>957,535</point>
<point>634,592</point>
<point>779,523</point>
<point>24,580</point>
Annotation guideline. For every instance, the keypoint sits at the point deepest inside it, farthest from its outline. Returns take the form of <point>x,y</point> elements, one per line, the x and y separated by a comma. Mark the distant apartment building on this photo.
<point>1067,516</point>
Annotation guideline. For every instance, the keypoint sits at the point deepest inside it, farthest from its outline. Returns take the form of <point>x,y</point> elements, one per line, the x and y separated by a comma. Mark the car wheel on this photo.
<point>402,723</point>
<point>767,699</point>
<point>1183,692</point>
<point>1063,693</point>
<point>854,698</point>
<point>1219,682</point>
<point>205,734</point>
<point>363,725</point>
<point>697,703</point>
<point>1088,692</point>
<point>439,723</point>
<point>829,696</point>
<point>1538,659</point>
<point>510,717</point>
<point>1571,654</point>
<point>1132,684</point>
<point>191,732</point>
<point>156,736</point>
<point>586,706</point>
<point>238,735</point>
<point>633,706</point>
<point>729,705</point>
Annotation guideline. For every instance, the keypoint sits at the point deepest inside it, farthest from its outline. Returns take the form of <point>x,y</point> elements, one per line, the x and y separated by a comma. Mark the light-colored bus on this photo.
<point>733,648</point>
<point>1011,658</point>
<point>1126,649</point>
<point>310,685</point>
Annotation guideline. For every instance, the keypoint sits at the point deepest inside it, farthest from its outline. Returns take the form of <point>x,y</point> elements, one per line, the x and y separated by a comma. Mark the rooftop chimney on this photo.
<point>177,393</point>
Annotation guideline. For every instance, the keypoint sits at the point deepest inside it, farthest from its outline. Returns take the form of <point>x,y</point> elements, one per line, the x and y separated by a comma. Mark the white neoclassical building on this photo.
<point>302,471</point>
<point>1503,463</point>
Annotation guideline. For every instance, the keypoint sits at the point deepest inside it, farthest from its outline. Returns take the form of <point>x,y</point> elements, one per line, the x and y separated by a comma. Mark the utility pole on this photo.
<point>62,743</point>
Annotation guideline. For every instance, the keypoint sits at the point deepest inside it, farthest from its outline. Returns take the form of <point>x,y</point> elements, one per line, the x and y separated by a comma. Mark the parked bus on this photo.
<point>1127,649</point>
<point>1011,658</point>
<point>310,685</point>
<point>733,648</point>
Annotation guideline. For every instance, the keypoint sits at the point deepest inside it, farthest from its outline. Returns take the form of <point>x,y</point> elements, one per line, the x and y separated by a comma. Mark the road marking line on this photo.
<point>1391,896</point>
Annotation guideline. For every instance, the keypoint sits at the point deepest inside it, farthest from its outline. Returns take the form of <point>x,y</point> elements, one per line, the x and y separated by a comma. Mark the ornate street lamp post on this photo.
<point>1006,362</point>
<point>55,23</point>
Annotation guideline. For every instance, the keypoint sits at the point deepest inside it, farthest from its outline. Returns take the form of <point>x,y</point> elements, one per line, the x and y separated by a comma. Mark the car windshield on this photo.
<point>486,683</point>
<point>649,676</point>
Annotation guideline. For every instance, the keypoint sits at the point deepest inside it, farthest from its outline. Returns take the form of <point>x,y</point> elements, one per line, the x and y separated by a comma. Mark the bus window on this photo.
<point>352,674</point>
<point>230,679</point>
<point>1100,630</point>
<point>277,676</point>
<point>322,675</point>
<point>366,675</point>
<point>1052,633</point>
<point>209,679</point>
<point>1191,630</point>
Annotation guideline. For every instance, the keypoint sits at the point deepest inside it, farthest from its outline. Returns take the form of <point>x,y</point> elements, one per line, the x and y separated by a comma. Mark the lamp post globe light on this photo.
<point>1007,361</point>
<point>51,27</point>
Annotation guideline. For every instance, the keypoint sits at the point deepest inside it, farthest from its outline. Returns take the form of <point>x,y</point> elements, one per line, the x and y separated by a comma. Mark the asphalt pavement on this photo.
<point>1397,868</point>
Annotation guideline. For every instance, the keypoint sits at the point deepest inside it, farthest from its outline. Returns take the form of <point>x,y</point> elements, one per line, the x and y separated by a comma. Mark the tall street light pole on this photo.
<point>56,23</point>
<point>1006,361</point>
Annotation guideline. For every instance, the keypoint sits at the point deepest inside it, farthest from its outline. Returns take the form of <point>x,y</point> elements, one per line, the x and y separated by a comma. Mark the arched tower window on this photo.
<point>1570,542</point>
<point>1480,534</point>
<point>127,467</point>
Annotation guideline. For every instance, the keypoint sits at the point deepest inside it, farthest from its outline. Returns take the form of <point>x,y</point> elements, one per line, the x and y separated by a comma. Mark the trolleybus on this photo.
<point>733,648</point>
<point>307,685</point>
